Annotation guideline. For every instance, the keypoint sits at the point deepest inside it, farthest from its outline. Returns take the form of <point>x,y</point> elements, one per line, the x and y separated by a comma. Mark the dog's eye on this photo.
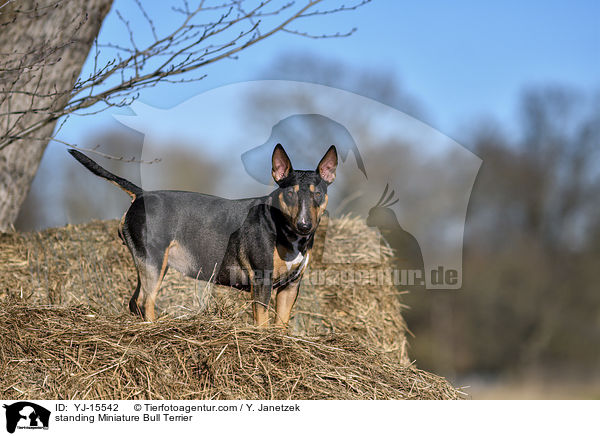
<point>318,196</point>
<point>289,195</point>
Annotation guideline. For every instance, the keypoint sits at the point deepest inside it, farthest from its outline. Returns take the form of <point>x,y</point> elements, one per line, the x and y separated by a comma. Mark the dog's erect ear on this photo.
<point>281,164</point>
<point>328,164</point>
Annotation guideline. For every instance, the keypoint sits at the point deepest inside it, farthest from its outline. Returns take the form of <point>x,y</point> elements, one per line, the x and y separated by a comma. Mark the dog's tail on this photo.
<point>133,190</point>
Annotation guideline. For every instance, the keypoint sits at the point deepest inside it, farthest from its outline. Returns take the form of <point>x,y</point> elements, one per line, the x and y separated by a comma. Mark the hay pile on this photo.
<point>66,333</point>
<point>344,292</point>
<point>74,353</point>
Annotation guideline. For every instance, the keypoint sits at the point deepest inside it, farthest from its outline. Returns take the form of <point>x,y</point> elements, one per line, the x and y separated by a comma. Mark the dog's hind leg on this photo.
<point>135,306</point>
<point>150,277</point>
<point>143,299</point>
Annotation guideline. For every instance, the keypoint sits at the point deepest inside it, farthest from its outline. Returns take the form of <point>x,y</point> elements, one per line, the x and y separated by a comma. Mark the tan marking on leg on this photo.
<point>151,297</point>
<point>260,312</point>
<point>138,299</point>
<point>286,297</point>
<point>147,277</point>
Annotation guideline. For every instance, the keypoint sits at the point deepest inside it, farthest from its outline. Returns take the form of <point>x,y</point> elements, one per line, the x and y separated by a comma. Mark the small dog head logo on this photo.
<point>26,415</point>
<point>303,136</point>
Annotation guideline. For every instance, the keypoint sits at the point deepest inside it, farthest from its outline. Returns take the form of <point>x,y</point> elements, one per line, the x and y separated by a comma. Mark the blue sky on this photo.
<point>463,60</point>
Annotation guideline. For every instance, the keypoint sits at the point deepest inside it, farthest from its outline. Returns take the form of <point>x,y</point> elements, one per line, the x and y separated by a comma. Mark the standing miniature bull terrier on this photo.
<point>256,244</point>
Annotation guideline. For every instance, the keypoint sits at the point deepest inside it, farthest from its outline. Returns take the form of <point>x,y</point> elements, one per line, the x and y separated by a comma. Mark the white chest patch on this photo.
<point>300,259</point>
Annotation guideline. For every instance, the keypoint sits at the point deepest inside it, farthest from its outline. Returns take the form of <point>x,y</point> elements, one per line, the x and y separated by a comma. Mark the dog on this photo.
<point>256,244</point>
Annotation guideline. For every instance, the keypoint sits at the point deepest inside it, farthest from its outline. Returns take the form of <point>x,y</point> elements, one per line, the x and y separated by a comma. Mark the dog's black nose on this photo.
<point>304,226</point>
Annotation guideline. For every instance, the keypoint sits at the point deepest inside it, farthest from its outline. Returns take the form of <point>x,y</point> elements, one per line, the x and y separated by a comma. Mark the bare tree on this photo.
<point>45,43</point>
<point>43,47</point>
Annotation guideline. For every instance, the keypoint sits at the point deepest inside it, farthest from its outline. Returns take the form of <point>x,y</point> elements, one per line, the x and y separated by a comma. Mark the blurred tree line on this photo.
<point>530,302</point>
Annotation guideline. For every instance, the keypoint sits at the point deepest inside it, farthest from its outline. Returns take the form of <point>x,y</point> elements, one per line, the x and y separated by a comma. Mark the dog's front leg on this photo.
<point>261,296</point>
<point>286,297</point>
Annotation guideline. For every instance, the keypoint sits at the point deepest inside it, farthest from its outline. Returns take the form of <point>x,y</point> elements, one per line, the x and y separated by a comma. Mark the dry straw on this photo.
<point>65,331</point>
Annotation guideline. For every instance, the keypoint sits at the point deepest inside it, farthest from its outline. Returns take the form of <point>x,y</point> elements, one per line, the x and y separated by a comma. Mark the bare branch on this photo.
<point>323,36</point>
<point>95,151</point>
<point>342,8</point>
<point>205,35</point>
<point>150,22</point>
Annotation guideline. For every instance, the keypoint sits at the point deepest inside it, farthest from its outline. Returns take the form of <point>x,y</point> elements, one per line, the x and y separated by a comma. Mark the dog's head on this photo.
<point>302,195</point>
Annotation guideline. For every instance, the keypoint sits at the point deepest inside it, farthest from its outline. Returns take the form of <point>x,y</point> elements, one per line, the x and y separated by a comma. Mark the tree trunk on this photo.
<point>43,46</point>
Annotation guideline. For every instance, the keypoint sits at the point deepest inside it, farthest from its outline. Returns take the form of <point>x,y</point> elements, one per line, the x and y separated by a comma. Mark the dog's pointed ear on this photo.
<point>281,164</point>
<point>328,165</point>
